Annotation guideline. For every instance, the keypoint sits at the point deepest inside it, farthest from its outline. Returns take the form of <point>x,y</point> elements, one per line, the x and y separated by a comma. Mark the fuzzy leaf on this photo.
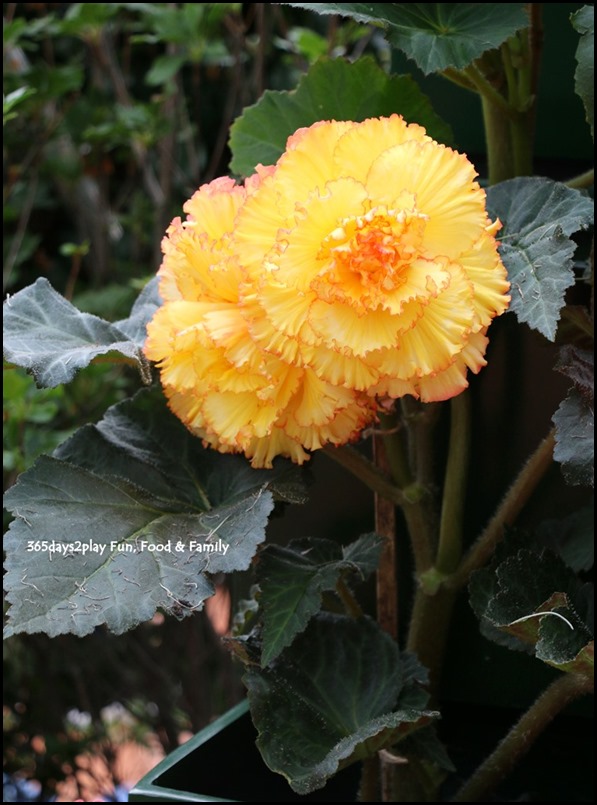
<point>526,589</point>
<point>539,216</point>
<point>583,21</point>
<point>129,515</point>
<point>146,304</point>
<point>328,700</point>
<point>575,433</point>
<point>572,538</point>
<point>436,35</point>
<point>48,336</point>
<point>333,89</point>
<point>579,366</point>
<point>292,580</point>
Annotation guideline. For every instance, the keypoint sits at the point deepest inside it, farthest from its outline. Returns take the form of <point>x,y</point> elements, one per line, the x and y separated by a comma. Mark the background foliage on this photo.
<point>114,113</point>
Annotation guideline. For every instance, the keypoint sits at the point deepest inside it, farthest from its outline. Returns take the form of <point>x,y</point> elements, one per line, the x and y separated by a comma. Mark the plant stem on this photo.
<point>414,495</point>
<point>385,526</point>
<point>586,179</point>
<point>500,160</point>
<point>488,92</point>
<point>369,787</point>
<point>350,602</point>
<point>366,471</point>
<point>522,736</point>
<point>432,610</point>
<point>429,628</point>
<point>451,523</point>
<point>507,512</point>
<point>460,79</point>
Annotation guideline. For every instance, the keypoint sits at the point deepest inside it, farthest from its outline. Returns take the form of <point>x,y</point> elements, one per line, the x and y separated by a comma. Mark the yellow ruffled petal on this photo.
<point>363,143</point>
<point>484,269</point>
<point>263,451</point>
<point>212,209</point>
<point>308,162</point>
<point>342,328</point>
<point>439,335</point>
<point>443,385</point>
<point>442,182</point>
<point>319,217</point>
<point>361,266</point>
<point>338,369</point>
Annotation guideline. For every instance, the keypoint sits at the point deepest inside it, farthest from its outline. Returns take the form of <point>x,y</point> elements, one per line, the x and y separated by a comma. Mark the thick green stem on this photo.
<point>432,610</point>
<point>518,68</point>
<point>366,471</point>
<point>451,523</point>
<point>428,630</point>
<point>522,736</point>
<point>500,159</point>
<point>413,505</point>
<point>488,92</point>
<point>507,512</point>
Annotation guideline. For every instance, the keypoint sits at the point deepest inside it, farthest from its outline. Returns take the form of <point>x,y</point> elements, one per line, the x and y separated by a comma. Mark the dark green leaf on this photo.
<point>138,514</point>
<point>538,215</point>
<point>424,744</point>
<point>575,446</point>
<point>583,21</point>
<point>436,35</point>
<point>579,366</point>
<point>292,580</point>
<point>540,602</point>
<point>48,336</point>
<point>331,90</point>
<point>328,700</point>
<point>572,538</point>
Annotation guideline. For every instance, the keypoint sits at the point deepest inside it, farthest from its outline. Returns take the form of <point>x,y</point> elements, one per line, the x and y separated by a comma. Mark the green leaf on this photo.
<point>292,580</point>
<point>575,445</point>
<point>146,304</point>
<point>539,216</point>
<point>13,100</point>
<point>129,515</point>
<point>539,601</point>
<point>579,366</point>
<point>436,35</point>
<point>572,538</point>
<point>583,21</point>
<point>164,68</point>
<point>328,700</point>
<point>333,89</point>
<point>47,335</point>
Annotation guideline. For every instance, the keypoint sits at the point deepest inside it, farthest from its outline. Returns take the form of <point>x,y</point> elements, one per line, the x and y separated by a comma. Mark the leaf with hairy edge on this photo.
<point>583,21</point>
<point>129,515</point>
<point>45,334</point>
<point>572,538</point>
<point>538,215</point>
<point>333,89</point>
<point>541,603</point>
<point>579,366</point>
<point>436,35</point>
<point>575,439</point>
<point>329,700</point>
<point>293,578</point>
<point>146,304</point>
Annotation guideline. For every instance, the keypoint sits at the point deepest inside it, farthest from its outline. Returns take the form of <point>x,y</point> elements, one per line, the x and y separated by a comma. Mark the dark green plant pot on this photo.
<point>222,764</point>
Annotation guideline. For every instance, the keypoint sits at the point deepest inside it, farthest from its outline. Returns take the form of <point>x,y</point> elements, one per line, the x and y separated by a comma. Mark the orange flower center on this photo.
<point>366,257</point>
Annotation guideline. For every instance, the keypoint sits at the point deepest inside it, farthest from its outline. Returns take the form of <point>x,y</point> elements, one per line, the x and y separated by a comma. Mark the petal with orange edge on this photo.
<point>442,181</point>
